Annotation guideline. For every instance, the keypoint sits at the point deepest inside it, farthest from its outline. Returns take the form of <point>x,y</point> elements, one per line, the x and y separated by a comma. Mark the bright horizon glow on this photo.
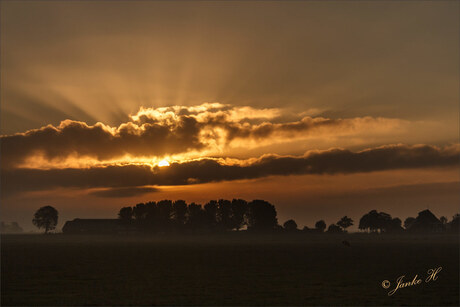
<point>163,163</point>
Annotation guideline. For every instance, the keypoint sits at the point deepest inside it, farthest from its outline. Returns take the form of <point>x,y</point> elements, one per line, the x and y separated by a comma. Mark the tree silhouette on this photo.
<point>180,212</point>
<point>369,221</point>
<point>290,225</point>
<point>345,222</point>
<point>164,213</point>
<point>210,210</point>
<point>151,210</point>
<point>394,225</point>
<point>443,220</point>
<point>239,208</point>
<point>46,217</point>
<point>140,211</point>
<point>384,221</point>
<point>377,221</point>
<point>320,225</point>
<point>224,214</point>
<point>454,225</point>
<point>409,222</point>
<point>261,216</point>
<point>125,214</point>
<point>196,217</point>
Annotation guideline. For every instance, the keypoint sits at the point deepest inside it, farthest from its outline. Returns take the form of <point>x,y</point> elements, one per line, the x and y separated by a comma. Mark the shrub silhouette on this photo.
<point>320,225</point>
<point>333,228</point>
<point>290,225</point>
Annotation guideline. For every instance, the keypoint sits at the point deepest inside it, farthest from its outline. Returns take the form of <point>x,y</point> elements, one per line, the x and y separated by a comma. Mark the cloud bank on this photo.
<point>333,161</point>
<point>153,133</point>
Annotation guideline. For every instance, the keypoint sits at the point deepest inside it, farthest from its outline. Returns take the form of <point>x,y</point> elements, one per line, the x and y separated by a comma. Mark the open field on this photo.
<point>228,269</point>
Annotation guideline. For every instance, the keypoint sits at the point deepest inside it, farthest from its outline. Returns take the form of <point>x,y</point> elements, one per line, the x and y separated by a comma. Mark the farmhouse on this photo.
<point>426,222</point>
<point>94,226</point>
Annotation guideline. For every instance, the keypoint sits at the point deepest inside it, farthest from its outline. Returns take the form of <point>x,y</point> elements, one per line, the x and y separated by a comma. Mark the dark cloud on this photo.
<point>123,192</point>
<point>101,142</point>
<point>16,180</point>
<point>334,161</point>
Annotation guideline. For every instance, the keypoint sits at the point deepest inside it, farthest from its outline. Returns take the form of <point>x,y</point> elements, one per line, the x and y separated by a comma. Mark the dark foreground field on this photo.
<point>233,269</point>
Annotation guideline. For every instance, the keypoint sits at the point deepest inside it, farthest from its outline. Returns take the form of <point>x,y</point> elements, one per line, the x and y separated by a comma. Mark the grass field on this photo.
<point>230,269</point>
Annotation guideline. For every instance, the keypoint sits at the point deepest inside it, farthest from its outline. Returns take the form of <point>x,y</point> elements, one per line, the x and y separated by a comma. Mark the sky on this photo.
<point>322,108</point>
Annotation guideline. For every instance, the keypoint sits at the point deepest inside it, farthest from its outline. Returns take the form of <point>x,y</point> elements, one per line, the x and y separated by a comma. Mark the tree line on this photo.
<point>215,215</point>
<point>260,215</point>
<point>257,215</point>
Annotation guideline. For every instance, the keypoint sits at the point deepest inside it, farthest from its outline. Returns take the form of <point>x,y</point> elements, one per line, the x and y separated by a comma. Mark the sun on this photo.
<point>163,163</point>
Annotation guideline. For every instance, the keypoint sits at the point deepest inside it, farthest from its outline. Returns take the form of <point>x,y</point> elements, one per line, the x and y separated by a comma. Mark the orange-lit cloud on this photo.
<point>123,192</point>
<point>184,132</point>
